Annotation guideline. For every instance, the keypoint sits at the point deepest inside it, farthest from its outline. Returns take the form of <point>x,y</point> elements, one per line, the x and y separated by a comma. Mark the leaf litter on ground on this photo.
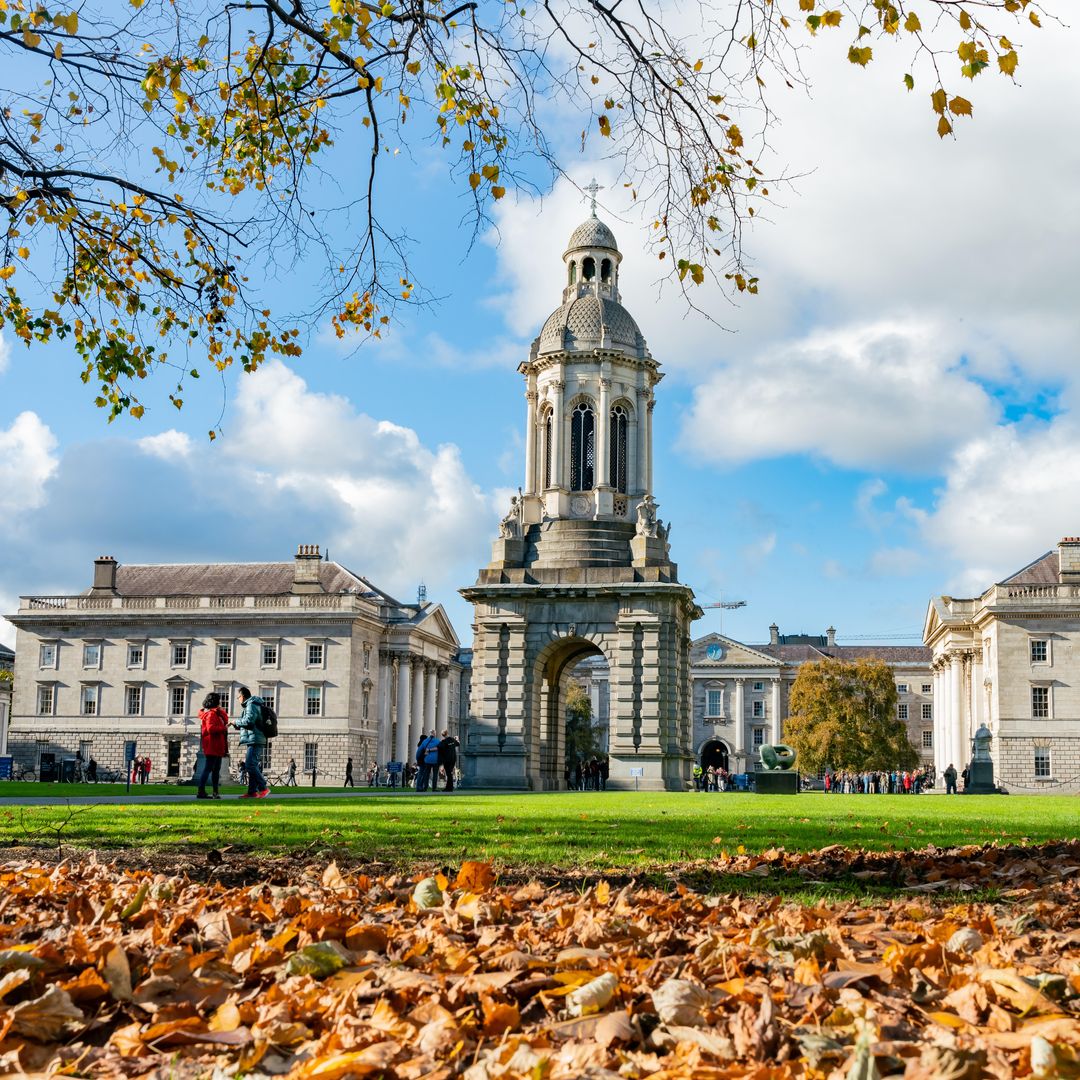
<point>112,972</point>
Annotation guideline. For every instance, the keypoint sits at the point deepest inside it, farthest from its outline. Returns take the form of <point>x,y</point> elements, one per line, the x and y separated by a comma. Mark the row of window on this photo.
<point>181,654</point>
<point>904,688</point>
<point>179,700</point>
<point>903,711</point>
<point>583,448</point>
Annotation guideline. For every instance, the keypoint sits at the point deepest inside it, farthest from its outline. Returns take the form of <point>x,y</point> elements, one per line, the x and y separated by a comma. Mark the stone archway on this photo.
<point>714,753</point>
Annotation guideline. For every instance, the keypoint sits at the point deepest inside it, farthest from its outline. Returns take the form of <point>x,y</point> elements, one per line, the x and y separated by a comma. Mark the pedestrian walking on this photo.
<point>348,774</point>
<point>427,760</point>
<point>253,739</point>
<point>91,771</point>
<point>290,776</point>
<point>448,748</point>
<point>950,780</point>
<point>214,739</point>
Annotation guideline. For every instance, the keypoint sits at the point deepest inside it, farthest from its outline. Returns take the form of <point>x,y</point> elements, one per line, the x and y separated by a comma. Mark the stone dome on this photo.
<point>592,233</point>
<point>590,322</point>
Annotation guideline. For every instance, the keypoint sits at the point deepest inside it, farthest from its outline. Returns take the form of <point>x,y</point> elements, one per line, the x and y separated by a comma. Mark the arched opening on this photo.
<point>561,745</point>
<point>572,272</point>
<point>546,429</point>
<point>714,754</point>
<point>618,424</point>
<point>582,447</point>
<point>588,268</point>
<point>605,270</point>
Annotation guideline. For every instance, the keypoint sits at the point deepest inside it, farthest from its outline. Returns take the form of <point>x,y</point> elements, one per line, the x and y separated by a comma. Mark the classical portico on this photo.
<point>582,564</point>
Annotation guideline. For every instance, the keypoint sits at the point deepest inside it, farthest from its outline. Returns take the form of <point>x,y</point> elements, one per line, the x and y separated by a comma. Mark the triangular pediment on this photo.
<point>436,622</point>
<point>732,653</point>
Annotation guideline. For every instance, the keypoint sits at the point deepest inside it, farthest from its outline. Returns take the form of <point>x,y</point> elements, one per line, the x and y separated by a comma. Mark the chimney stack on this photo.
<point>104,575</point>
<point>308,563</point>
<point>830,637</point>
<point>1069,560</point>
<point>774,634</point>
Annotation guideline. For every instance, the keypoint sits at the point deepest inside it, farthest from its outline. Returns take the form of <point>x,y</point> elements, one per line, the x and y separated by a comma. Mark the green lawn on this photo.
<point>22,789</point>
<point>604,831</point>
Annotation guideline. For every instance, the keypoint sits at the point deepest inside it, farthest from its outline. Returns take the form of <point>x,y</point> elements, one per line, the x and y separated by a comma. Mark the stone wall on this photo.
<point>1014,764</point>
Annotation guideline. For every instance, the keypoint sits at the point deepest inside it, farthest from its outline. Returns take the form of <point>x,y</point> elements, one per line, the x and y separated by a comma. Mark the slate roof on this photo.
<point>7,658</point>
<point>233,579</point>
<point>1043,571</point>
<point>891,654</point>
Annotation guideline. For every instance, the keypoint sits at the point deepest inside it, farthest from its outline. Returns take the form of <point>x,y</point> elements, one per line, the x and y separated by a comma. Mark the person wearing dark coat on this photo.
<point>448,748</point>
<point>215,744</point>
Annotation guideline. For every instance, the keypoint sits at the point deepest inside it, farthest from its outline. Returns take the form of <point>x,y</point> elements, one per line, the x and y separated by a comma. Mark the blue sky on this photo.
<point>893,416</point>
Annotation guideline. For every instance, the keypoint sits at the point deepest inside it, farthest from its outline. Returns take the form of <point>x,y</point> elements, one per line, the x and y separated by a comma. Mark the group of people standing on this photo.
<point>591,775</point>
<point>711,778</point>
<point>214,738</point>
<point>436,757</point>
<point>895,782</point>
<point>140,770</point>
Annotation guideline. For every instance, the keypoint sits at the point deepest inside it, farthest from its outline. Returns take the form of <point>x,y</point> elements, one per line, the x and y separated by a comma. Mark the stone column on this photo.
<point>633,481</point>
<point>401,751</point>
<point>531,483</point>
<point>648,442</point>
<point>939,727</point>
<point>776,733</point>
<point>383,749</point>
<point>956,708</point>
<point>643,440</point>
<point>416,720</point>
<point>430,689</point>
<point>558,431</point>
<point>740,724</point>
<point>444,698</point>
<point>978,693</point>
<point>603,438</point>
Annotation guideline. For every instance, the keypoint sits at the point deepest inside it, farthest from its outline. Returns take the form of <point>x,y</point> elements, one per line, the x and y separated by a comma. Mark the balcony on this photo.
<point>285,602</point>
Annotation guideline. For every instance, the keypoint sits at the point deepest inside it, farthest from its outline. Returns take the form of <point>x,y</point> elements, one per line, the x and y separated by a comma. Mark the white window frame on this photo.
<point>54,664</point>
<point>1043,753</point>
<point>51,688</point>
<point>311,756</point>
<point>224,691</point>
<point>230,663</point>
<point>367,655</point>
<point>320,644</point>
<point>757,737</point>
<point>757,709</point>
<point>927,711</point>
<point>1032,642</point>
<point>902,711</point>
<point>713,712</point>
<point>180,643</point>
<point>185,689</point>
<point>321,690</point>
<point>269,693</point>
<point>365,704</point>
<point>1049,701</point>
<point>927,687</point>
<point>140,664</point>
<point>90,694</point>
<point>903,688</point>
<point>274,644</point>
<point>759,688</point>
<point>140,689</point>
<point>928,739</point>
<point>94,665</point>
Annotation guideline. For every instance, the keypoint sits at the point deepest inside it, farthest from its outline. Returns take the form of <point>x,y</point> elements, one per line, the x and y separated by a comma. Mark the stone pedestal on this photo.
<point>648,551</point>
<point>777,782</point>
<point>507,553</point>
<point>981,779</point>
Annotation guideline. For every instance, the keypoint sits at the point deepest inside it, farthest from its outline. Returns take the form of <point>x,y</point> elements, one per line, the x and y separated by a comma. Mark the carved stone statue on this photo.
<point>646,517</point>
<point>510,528</point>
<point>980,745</point>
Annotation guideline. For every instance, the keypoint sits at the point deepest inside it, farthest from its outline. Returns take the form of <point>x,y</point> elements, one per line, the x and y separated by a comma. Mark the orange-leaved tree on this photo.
<point>158,153</point>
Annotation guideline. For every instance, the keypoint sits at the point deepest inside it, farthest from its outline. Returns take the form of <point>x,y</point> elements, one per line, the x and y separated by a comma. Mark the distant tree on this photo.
<point>582,738</point>
<point>843,715</point>
<point>160,156</point>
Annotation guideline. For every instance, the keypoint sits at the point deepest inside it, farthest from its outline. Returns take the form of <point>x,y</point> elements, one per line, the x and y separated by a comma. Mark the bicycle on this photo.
<point>27,772</point>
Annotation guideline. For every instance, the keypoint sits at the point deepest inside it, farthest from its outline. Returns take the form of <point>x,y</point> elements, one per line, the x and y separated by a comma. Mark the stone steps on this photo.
<point>565,544</point>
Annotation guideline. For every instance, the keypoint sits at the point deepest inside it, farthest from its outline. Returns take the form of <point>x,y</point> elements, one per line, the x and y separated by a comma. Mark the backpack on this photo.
<point>267,721</point>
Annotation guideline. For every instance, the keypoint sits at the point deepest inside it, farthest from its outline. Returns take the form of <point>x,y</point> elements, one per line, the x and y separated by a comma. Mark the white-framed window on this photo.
<point>269,653</point>
<point>902,711</point>
<point>224,693</point>
<point>759,686</point>
<point>758,738</point>
<point>313,700</point>
<point>47,653</point>
<point>311,756</point>
<point>1042,763</point>
<point>224,654</point>
<point>1040,701</point>
<point>927,711</point>
<point>268,692</point>
<point>758,709</point>
<point>927,688</point>
<point>928,739</point>
<point>1040,650</point>
<point>714,702</point>
<point>136,654</point>
<point>268,756</point>
<point>366,703</point>
<point>178,697</point>
<point>46,699</point>
<point>181,654</point>
<point>316,653</point>
<point>91,655</point>
<point>133,700</point>
<point>367,655</point>
<point>86,750</point>
<point>901,687</point>
<point>88,699</point>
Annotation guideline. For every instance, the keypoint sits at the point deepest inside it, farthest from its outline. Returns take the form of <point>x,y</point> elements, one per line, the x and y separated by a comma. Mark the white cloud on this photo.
<point>895,562</point>
<point>27,462</point>
<point>170,445</point>
<point>888,394</point>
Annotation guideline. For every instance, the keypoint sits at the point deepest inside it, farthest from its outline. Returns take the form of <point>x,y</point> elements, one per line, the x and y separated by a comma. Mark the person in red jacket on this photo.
<point>215,743</point>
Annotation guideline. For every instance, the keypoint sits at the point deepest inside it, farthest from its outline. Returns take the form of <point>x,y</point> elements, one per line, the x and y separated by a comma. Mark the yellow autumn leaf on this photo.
<point>862,57</point>
<point>1007,63</point>
<point>474,180</point>
<point>912,24</point>
<point>1034,18</point>
<point>605,126</point>
<point>960,106</point>
<point>6,272</point>
<point>498,192</point>
<point>24,253</point>
<point>965,21</point>
<point>943,127</point>
<point>938,99</point>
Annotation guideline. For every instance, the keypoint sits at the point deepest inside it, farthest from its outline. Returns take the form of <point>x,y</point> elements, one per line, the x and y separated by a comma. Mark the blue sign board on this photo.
<point>393,766</point>
<point>129,750</point>
<point>5,767</point>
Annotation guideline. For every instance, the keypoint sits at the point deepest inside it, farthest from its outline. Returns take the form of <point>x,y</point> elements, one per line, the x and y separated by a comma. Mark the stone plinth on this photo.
<point>981,779</point>
<point>777,782</point>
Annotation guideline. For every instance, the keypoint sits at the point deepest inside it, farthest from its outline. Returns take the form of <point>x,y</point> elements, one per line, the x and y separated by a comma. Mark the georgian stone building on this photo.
<point>1010,659</point>
<point>351,671</point>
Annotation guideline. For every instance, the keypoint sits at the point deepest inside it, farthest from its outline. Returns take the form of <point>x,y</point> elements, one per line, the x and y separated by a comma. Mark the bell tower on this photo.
<point>582,563</point>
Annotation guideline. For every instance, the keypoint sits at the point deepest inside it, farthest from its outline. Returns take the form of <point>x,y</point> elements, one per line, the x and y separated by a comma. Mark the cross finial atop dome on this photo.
<point>592,188</point>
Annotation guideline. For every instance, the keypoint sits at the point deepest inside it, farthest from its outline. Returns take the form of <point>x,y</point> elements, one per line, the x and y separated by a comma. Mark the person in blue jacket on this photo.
<point>253,740</point>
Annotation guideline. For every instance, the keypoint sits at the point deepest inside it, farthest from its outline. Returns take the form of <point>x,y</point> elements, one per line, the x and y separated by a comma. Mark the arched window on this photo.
<point>582,447</point>
<point>547,449</point>
<point>573,272</point>
<point>588,268</point>
<point>605,270</point>
<point>617,428</point>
